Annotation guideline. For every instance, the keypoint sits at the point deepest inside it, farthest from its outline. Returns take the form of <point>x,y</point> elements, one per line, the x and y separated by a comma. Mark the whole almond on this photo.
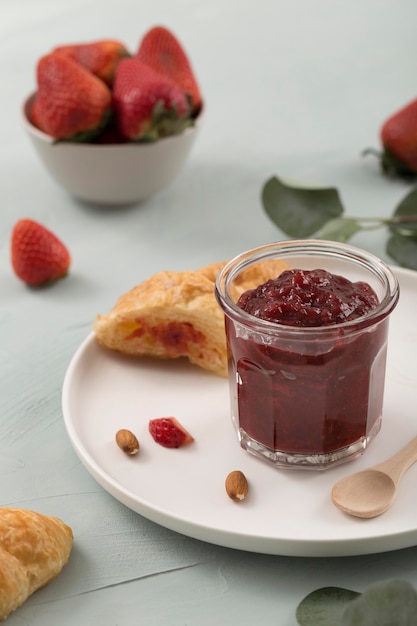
<point>127,441</point>
<point>236,485</point>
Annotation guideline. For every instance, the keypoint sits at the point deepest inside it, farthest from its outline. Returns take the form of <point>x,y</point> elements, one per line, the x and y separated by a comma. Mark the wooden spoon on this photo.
<point>372,491</point>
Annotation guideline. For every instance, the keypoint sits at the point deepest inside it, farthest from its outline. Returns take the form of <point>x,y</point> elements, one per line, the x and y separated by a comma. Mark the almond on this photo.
<point>236,485</point>
<point>127,441</point>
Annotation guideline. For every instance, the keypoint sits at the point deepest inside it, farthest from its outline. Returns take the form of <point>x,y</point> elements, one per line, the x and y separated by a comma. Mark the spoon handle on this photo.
<point>399,463</point>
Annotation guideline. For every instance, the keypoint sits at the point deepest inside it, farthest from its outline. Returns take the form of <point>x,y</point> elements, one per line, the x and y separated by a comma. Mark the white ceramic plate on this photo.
<point>287,512</point>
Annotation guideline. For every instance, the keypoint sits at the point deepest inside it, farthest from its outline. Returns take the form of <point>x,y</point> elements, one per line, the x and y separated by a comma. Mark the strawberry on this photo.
<point>399,140</point>
<point>168,432</point>
<point>146,104</point>
<point>162,51</point>
<point>37,255</point>
<point>70,103</point>
<point>99,57</point>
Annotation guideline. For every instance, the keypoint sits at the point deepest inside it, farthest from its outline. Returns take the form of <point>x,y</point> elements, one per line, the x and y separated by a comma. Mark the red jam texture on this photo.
<point>309,298</point>
<point>315,400</point>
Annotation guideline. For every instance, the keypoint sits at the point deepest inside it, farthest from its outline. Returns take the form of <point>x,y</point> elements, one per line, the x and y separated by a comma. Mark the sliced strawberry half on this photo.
<point>168,432</point>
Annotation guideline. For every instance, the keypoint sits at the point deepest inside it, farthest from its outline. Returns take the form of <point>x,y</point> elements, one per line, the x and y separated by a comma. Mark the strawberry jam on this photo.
<point>306,349</point>
<point>309,298</point>
<point>309,397</point>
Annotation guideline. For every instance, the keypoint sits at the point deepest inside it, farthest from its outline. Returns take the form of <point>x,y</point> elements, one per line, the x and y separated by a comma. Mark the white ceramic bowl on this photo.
<point>112,173</point>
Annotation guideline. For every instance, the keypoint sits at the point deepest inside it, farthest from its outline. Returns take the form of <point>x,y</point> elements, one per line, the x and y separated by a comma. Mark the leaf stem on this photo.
<point>375,222</point>
<point>402,219</point>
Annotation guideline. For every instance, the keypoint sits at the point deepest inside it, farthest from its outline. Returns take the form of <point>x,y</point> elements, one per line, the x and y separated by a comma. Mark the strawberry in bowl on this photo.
<point>110,126</point>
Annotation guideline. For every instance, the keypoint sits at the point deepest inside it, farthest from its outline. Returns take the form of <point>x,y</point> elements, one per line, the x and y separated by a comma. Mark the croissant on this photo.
<point>33,550</point>
<point>175,314</point>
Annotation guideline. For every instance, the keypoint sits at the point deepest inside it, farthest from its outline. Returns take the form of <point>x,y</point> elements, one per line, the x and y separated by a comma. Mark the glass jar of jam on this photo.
<point>307,350</point>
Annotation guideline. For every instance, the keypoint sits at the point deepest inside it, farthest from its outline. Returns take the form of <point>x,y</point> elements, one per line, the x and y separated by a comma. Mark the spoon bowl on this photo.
<point>371,492</point>
<point>365,494</point>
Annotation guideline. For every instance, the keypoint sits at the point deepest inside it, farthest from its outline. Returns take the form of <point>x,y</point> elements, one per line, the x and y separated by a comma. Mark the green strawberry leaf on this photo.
<point>165,122</point>
<point>299,211</point>
<point>339,229</point>
<point>403,250</point>
<point>88,136</point>
<point>392,167</point>
<point>383,604</point>
<point>404,220</point>
<point>324,607</point>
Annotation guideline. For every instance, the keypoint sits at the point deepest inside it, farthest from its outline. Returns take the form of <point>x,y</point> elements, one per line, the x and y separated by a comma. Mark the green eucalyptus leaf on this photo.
<point>387,603</point>
<point>300,211</point>
<point>405,216</point>
<point>324,607</point>
<point>403,250</point>
<point>339,229</point>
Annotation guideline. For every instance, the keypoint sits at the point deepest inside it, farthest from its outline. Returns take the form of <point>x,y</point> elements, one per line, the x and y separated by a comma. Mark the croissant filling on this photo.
<point>177,338</point>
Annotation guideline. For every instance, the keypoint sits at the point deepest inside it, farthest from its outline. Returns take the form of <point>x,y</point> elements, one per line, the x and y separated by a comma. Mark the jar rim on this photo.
<point>310,248</point>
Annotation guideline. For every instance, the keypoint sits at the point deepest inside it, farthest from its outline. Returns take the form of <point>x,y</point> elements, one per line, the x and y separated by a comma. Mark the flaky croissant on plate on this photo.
<point>175,314</point>
<point>33,550</point>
